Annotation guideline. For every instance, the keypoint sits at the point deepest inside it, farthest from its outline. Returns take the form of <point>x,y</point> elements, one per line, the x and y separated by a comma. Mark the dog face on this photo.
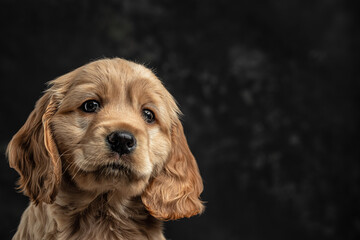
<point>111,126</point>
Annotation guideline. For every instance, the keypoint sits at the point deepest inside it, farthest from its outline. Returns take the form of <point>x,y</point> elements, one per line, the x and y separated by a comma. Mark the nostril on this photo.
<point>130,143</point>
<point>113,138</point>
<point>121,142</point>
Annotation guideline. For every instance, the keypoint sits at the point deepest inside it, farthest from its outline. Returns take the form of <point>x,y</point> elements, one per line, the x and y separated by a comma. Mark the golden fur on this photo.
<point>61,156</point>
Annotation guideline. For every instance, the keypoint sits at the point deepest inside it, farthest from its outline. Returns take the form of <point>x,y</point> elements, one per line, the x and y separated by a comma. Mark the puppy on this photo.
<point>103,156</point>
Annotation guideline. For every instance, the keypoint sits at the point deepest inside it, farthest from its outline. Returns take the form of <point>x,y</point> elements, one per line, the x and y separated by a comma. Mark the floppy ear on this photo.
<point>33,154</point>
<point>175,192</point>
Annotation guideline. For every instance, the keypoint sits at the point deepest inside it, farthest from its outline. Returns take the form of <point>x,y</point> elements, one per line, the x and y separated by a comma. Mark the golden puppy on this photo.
<point>103,156</point>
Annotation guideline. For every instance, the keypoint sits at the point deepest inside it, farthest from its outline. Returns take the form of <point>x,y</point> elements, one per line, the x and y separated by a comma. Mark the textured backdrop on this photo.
<point>269,90</point>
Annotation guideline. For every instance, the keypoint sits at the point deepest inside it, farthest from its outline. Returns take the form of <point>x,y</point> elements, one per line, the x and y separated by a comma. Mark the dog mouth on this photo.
<point>116,166</point>
<point>114,169</point>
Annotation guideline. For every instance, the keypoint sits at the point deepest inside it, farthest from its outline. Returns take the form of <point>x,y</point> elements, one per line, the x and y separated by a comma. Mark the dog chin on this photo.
<point>111,177</point>
<point>108,173</point>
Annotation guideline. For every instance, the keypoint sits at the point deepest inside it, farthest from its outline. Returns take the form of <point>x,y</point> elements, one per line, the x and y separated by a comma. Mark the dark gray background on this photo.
<point>269,90</point>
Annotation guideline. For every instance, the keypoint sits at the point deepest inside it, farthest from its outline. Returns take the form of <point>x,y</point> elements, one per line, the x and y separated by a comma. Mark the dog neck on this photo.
<point>79,213</point>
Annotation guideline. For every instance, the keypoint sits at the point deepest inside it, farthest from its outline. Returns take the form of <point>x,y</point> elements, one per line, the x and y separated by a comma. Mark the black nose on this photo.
<point>121,142</point>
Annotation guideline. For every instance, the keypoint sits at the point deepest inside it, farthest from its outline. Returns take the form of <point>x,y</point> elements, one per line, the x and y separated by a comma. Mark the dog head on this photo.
<point>109,125</point>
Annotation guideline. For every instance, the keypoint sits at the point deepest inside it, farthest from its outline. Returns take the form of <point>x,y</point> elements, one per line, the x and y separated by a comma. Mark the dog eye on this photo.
<point>148,115</point>
<point>90,106</point>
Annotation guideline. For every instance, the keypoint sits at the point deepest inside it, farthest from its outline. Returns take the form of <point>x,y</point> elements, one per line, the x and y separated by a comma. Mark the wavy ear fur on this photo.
<point>33,154</point>
<point>175,192</point>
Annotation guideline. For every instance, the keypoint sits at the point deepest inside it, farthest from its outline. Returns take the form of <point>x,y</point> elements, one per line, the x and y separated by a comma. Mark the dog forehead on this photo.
<point>102,74</point>
<point>119,78</point>
<point>115,70</point>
